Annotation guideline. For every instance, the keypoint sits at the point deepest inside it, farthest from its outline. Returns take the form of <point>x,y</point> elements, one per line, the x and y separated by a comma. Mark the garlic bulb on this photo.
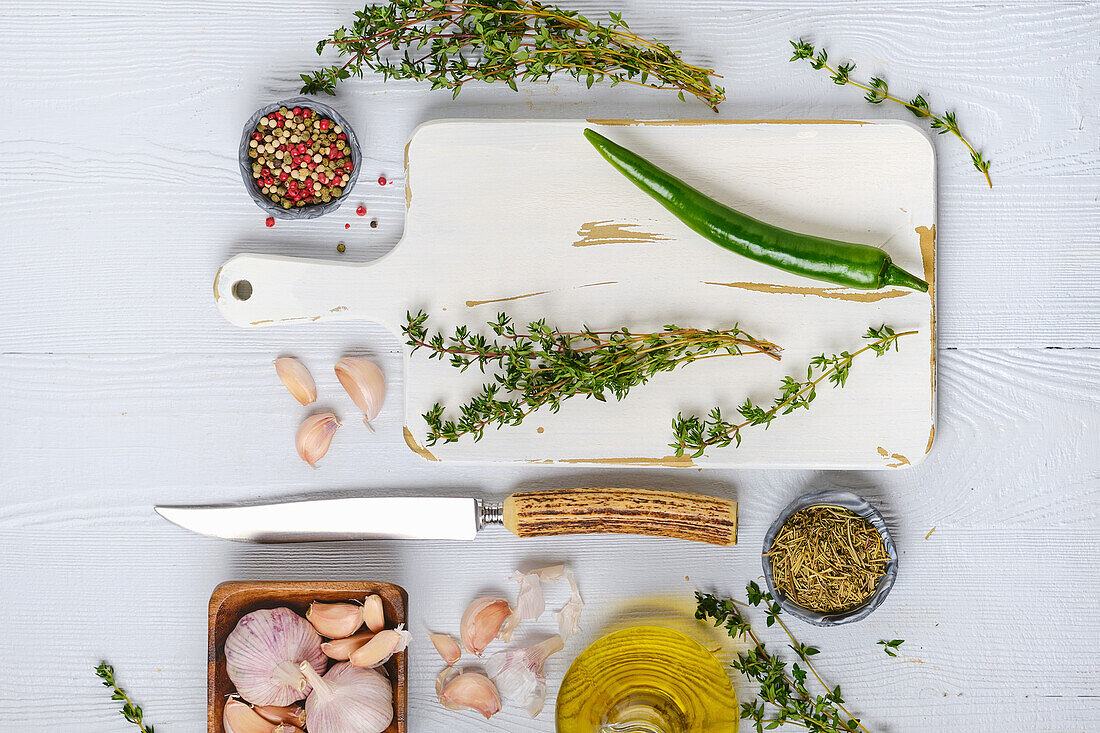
<point>335,620</point>
<point>348,700</point>
<point>447,647</point>
<point>289,714</point>
<point>569,617</point>
<point>239,717</point>
<point>263,653</point>
<point>314,436</point>
<point>467,691</point>
<point>374,616</point>
<point>379,649</point>
<point>518,673</point>
<point>341,649</point>
<point>481,623</point>
<point>364,383</point>
<point>297,379</point>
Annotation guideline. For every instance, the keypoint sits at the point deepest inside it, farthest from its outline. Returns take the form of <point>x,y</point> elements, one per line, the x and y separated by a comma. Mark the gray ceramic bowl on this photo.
<point>860,506</point>
<point>303,212</point>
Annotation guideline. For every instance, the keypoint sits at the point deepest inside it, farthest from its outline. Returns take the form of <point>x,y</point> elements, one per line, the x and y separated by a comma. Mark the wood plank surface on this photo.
<point>123,387</point>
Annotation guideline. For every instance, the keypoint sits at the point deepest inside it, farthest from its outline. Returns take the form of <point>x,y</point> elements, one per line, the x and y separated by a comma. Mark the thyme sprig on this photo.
<point>130,711</point>
<point>785,691</point>
<point>891,647</point>
<point>878,92</point>
<point>543,366</point>
<point>695,435</point>
<point>448,44</point>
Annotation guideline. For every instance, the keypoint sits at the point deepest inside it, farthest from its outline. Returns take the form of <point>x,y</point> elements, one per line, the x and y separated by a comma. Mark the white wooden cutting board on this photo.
<point>525,217</point>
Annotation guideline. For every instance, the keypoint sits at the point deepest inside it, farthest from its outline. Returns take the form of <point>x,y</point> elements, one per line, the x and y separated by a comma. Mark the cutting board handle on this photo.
<point>622,511</point>
<point>268,290</point>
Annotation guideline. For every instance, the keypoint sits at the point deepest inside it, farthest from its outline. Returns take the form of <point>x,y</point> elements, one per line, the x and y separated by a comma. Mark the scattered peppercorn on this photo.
<point>381,180</point>
<point>299,158</point>
<point>347,226</point>
<point>270,221</point>
<point>340,247</point>
<point>361,210</point>
<point>373,223</point>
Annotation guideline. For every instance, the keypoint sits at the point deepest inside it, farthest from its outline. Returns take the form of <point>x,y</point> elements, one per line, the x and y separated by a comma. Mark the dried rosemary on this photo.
<point>543,366</point>
<point>827,559</point>
<point>448,44</point>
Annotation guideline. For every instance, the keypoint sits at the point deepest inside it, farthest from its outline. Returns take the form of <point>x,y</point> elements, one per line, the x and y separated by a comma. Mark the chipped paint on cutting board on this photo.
<point>508,244</point>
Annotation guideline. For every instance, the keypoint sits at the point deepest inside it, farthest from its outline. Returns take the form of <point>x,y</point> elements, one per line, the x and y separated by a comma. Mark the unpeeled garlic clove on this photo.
<point>481,623</point>
<point>374,616</point>
<point>314,436</point>
<point>297,379</point>
<point>468,691</point>
<point>335,620</point>
<point>447,647</point>
<point>289,715</point>
<point>379,649</point>
<point>239,717</point>
<point>364,383</point>
<point>341,649</point>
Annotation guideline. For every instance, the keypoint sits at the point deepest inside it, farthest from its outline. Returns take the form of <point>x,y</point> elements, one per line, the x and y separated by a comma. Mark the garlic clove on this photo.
<point>314,436</point>
<point>285,728</point>
<point>569,617</point>
<point>468,691</point>
<point>518,673</point>
<point>374,616</point>
<point>341,649</point>
<point>297,379</point>
<point>294,715</point>
<point>447,647</point>
<point>364,383</point>
<point>481,623</point>
<point>239,717</point>
<point>384,645</point>
<point>335,620</point>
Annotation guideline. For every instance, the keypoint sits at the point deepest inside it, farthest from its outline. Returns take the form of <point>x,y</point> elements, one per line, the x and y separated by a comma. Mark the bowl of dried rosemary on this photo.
<point>829,558</point>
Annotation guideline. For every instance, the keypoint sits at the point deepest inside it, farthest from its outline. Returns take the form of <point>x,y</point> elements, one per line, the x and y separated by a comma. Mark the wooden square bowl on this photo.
<point>230,601</point>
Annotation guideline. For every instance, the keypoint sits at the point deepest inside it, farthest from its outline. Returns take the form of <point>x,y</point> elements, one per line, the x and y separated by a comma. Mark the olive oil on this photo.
<point>646,679</point>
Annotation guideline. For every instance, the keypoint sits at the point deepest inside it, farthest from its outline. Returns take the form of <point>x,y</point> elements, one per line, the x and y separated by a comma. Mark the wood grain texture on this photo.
<point>123,387</point>
<point>676,515</point>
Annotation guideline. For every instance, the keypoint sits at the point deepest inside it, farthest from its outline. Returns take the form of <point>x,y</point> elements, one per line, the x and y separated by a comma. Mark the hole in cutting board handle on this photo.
<point>242,290</point>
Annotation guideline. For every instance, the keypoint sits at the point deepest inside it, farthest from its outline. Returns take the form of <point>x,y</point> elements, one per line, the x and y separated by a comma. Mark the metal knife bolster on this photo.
<point>489,512</point>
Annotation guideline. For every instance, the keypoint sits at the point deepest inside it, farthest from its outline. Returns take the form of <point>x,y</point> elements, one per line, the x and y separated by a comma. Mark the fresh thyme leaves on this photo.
<point>543,366</point>
<point>695,435</point>
<point>891,647</point>
<point>827,559</point>
<point>785,691</point>
<point>878,92</point>
<point>450,43</point>
<point>130,711</point>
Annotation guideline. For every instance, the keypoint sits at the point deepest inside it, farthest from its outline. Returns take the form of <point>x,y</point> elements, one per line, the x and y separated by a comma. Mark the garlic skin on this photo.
<point>297,379</point>
<point>481,623</point>
<point>384,645</point>
<point>289,715</point>
<point>569,617</point>
<point>341,649</point>
<point>531,602</point>
<point>314,437</point>
<point>364,383</point>
<point>374,615</point>
<point>348,699</point>
<point>447,647</point>
<point>263,653</point>
<point>239,717</point>
<point>335,620</point>
<point>467,691</point>
<point>518,673</point>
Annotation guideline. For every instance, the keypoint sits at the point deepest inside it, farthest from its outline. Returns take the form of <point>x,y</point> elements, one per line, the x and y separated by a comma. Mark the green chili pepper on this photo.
<point>844,263</point>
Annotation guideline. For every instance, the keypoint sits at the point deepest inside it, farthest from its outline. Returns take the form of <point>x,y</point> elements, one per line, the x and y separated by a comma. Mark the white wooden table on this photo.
<point>122,387</point>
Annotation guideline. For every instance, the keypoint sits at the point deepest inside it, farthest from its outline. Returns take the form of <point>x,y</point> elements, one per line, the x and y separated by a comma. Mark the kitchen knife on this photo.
<point>528,514</point>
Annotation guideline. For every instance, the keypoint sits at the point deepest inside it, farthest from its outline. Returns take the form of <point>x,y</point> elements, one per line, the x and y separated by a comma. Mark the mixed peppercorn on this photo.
<point>300,158</point>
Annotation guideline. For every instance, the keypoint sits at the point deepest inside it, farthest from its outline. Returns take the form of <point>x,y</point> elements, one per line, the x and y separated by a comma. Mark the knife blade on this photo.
<point>526,514</point>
